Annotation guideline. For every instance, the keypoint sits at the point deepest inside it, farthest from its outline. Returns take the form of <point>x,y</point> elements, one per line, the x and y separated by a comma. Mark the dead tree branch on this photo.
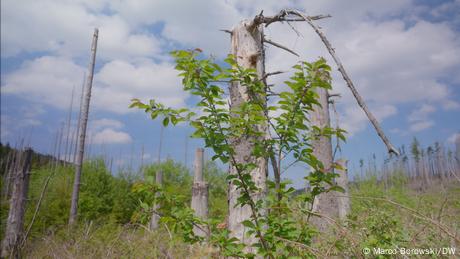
<point>280,46</point>
<point>282,17</point>
<point>359,99</point>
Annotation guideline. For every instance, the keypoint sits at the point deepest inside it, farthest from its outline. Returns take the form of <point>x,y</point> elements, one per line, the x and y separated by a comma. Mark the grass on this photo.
<point>372,223</point>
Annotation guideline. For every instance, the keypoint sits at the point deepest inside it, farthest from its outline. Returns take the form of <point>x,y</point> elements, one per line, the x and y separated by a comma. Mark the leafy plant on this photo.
<point>217,124</point>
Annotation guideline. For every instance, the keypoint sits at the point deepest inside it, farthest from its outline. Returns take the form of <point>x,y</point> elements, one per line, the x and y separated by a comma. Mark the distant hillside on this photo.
<point>7,157</point>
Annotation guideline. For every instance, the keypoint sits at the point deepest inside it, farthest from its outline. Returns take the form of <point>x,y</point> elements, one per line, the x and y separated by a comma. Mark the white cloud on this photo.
<point>450,105</point>
<point>392,54</point>
<point>421,125</point>
<point>111,136</point>
<point>50,80</point>
<point>454,138</point>
<point>66,27</point>
<point>191,23</point>
<point>106,123</point>
<point>47,80</point>
<point>421,113</point>
<point>419,118</point>
<point>119,81</point>
<point>354,119</point>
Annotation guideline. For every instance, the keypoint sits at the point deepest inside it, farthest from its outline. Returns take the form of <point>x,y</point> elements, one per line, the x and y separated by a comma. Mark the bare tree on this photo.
<point>15,221</point>
<point>83,125</point>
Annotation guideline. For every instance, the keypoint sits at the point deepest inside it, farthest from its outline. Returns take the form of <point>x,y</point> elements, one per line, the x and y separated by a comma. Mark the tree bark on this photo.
<point>247,48</point>
<point>155,219</point>
<point>83,125</point>
<point>200,193</point>
<point>325,203</point>
<point>77,135</point>
<point>342,181</point>
<point>15,221</point>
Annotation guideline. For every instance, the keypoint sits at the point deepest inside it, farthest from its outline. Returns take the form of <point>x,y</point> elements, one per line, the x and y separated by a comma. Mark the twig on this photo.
<point>271,74</point>
<point>280,46</point>
<point>227,31</point>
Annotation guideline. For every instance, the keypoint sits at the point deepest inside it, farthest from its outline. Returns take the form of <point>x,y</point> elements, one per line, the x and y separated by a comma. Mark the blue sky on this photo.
<point>404,57</point>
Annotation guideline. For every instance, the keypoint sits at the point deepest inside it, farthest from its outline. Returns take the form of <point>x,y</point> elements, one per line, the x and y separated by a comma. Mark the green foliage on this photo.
<point>218,124</point>
<point>103,197</point>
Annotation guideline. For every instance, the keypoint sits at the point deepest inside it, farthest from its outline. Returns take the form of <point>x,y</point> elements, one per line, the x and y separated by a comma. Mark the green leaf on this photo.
<point>166,121</point>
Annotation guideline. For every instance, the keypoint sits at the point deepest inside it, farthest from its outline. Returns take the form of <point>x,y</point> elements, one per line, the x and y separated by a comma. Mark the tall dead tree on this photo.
<point>77,133</point>
<point>67,150</point>
<point>325,203</point>
<point>15,221</point>
<point>83,125</point>
<point>247,48</point>
<point>199,193</point>
<point>457,151</point>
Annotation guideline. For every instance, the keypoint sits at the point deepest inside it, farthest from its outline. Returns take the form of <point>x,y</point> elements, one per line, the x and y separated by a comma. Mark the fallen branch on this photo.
<point>37,207</point>
<point>359,99</point>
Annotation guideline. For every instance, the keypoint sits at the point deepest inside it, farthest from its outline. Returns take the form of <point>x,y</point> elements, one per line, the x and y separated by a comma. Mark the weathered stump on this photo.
<point>200,194</point>
<point>155,219</point>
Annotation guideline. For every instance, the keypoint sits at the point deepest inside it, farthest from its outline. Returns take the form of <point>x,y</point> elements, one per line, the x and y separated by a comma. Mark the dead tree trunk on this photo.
<point>342,181</point>
<point>155,219</point>
<point>247,48</point>
<point>77,135</point>
<point>200,193</point>
<point>325,203</point>
<point>457,152</point>
<point>67,152</point>
<point>15,221</point>
<point>83,125</point>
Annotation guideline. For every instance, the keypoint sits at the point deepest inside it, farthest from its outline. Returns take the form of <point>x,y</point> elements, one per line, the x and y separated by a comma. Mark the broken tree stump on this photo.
<point>200,194</point>
<point>155,219</point>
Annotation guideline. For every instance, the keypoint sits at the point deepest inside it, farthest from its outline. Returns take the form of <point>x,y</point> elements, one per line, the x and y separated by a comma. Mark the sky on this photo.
<point>403,56</point>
